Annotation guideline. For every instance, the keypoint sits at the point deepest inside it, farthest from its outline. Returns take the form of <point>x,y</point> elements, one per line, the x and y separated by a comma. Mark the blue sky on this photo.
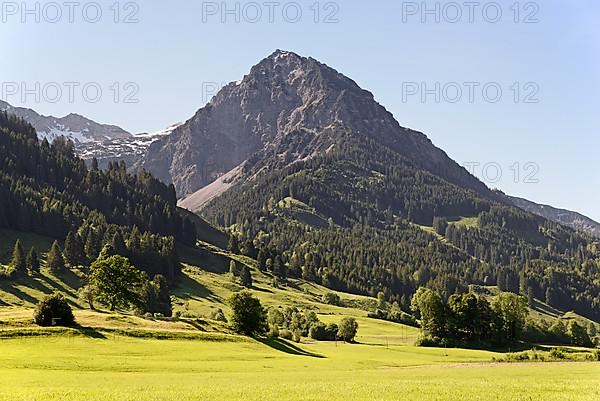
<point>178,50</point>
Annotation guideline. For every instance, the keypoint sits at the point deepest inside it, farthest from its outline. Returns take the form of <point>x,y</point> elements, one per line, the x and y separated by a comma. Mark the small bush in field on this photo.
<point>54,310</point>
<point>558,353</point>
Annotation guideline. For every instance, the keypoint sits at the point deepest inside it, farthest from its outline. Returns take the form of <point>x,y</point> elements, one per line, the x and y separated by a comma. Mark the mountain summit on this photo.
<point>298,108</point>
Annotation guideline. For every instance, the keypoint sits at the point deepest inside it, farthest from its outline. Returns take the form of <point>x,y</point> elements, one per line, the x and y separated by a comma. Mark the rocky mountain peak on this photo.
<point>290,106</point>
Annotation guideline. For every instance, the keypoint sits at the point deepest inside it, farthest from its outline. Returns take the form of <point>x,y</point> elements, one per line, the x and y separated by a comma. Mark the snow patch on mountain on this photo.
<point>60,130</point>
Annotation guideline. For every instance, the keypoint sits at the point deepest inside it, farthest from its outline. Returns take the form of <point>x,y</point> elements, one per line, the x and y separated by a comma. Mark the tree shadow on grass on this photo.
<point>89,332</point>
<point>67,277</point>
<point>188,288</point>
<point>198,324</point>
<point>260,289</point>
<point>8,287</point>
<point>287,347</point>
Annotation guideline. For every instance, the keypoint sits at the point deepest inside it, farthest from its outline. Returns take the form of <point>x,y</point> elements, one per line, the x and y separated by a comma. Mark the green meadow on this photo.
<point>65,367</point>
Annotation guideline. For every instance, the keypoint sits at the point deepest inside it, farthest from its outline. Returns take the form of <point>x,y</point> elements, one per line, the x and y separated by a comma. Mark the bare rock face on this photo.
<point>287,108</point>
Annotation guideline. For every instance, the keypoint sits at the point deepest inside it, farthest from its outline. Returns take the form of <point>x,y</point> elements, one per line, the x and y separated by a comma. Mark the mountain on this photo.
<point>127,149</point>
<point>106,143</point>
<point>568,218</point>
<point>73,126</point>
<point>295,102</point>
<point>300,162</point>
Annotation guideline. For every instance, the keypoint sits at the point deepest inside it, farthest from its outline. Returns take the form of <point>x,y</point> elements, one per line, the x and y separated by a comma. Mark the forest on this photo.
<point>365,233</point>
<point>47,190</point>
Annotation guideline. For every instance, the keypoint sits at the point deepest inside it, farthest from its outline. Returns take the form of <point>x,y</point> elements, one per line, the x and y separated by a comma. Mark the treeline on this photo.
<point>343,259</point>
<point>471,320</point>
<point>151,253</point>
<point>250,318</point>
<point>365,260</point>
<point>47,190</point>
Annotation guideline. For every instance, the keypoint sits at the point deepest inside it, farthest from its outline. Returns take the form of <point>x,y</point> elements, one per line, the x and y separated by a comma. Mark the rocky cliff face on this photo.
<point>291,108</point>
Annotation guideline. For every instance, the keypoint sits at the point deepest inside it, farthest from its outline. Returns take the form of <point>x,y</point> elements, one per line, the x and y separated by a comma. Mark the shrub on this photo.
<point>558,353</point>
<point>397,316</point>
<point>347,330</point>
<point>332,298</point>
<point>517,356</point>
<point>54,310</point>
<point>429,341</point>
<point>331,331</point>
<point>297,335</point>
<point>318,331</point>
<point>273,331</point>
<point>536,356</point>
<point>285,334</point>
<point>218,315</point>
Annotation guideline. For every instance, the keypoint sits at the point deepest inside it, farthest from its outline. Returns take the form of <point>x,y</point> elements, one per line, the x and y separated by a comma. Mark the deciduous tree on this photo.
<point>117,282</point>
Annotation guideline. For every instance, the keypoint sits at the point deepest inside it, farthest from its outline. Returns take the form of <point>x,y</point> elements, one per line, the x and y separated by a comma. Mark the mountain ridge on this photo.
<point>73,126</point>
<point>566,217</point>
<point>104,142</point>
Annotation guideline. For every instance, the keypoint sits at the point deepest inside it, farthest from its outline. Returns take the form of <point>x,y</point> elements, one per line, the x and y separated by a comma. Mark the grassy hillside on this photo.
<point>205,285</point>
<point>9,237</point>
<point>204,230</point>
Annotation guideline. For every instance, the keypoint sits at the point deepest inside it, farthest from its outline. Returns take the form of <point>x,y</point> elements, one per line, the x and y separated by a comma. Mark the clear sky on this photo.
<point>177,51</point>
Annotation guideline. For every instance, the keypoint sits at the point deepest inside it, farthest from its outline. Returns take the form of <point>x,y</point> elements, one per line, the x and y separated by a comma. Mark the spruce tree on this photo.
<point>73,251</point>
<point>33,263</point>
<point>262,260</point>
<point>232,245</point>
<point>107,251</point>
<point>118,244</point>
<point>18,264</point>
<point>93,245</point>
<point>234,270</point>
<point>246,277</point>
<point>55,262</point>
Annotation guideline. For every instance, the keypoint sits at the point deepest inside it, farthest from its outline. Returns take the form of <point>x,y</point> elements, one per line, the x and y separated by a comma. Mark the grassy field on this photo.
<point>124,368</point>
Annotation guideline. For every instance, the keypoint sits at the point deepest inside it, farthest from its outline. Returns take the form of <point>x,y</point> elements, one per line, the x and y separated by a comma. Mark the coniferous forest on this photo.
<point>362,231</point>
<point>47,190</point>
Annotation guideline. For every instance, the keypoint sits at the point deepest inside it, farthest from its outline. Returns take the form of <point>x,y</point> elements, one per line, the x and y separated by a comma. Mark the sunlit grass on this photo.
<point>120,368</point>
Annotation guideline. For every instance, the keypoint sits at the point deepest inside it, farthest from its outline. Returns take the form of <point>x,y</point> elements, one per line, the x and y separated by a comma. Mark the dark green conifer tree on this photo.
<point>73,249</point>
<point>18,264</point>
<point>55,261</point>
<point>33,263</point>
<point>246,277</point>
